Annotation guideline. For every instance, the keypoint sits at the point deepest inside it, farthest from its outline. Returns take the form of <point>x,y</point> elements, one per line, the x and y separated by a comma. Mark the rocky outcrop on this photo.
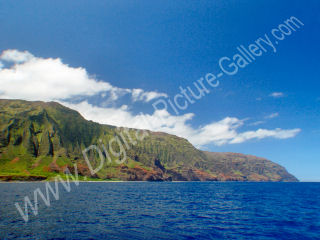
<point>241,167</point>
<point>11,178</point>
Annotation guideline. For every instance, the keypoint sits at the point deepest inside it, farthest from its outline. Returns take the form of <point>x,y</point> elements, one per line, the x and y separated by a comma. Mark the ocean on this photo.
<point>164,210</point>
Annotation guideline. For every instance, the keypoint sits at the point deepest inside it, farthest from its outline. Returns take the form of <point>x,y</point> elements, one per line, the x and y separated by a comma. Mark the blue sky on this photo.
<point>158,46</point>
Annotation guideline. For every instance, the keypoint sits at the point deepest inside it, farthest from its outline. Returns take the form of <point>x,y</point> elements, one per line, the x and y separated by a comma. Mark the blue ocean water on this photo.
<point>166,210</point>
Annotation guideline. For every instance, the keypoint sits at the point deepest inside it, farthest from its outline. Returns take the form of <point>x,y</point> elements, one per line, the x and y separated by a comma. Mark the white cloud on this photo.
<point>136,93</point>
<point>256,123</point>
<point>34,78</point>
<point>12,55</point>
<point>46,79</point>
<point>159,121</point>
<point>218,133</point>
<point>272,115</point>
<point>263,133</point>
<point>276,94</point>
<point>139,95</point>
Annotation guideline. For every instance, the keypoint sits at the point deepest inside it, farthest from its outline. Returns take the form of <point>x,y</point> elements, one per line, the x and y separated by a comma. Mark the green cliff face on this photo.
<point>40,140</point>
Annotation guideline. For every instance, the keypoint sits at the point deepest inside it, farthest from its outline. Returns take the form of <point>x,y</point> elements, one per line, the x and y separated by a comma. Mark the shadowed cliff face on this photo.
<point>41,140</point>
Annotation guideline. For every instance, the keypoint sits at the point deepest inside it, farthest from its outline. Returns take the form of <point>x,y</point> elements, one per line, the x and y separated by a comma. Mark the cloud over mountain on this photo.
<point>225,131</point>
<point>24,76</point>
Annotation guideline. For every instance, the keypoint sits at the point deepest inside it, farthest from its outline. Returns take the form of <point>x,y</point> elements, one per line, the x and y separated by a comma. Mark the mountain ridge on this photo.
<point>42,139</point>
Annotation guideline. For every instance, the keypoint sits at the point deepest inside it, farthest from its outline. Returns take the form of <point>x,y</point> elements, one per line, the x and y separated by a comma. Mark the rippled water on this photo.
<point>176,210</point>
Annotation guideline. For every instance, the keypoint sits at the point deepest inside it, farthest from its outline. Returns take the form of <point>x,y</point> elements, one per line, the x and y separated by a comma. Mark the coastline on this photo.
<point>119,181</point>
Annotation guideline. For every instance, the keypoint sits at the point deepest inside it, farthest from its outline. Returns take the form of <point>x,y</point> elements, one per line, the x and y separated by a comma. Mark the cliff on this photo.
<point>39,140</point>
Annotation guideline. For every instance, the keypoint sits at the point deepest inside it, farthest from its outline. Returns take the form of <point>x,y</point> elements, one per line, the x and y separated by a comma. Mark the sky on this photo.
<point>126,63</point>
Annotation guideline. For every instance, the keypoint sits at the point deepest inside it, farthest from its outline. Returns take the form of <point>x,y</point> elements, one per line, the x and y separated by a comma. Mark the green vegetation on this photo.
<point>43,139</point>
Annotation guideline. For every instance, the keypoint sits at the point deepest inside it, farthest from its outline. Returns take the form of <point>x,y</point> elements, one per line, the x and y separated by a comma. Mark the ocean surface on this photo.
<point>164,210</point>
